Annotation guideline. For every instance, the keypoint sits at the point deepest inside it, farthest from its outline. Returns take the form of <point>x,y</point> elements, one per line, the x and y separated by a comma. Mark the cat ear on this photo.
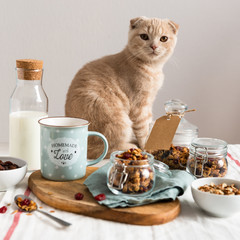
<point>135,21</point>
<point>173,26</point>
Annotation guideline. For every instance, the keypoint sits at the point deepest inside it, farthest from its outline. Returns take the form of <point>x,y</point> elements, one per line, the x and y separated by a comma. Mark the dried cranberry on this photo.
<point>127,155</point>
<point>25,202</point>
<point>79,196</point>
<point>100,197</point>
<point>8,163</point>
<point>3,209</point>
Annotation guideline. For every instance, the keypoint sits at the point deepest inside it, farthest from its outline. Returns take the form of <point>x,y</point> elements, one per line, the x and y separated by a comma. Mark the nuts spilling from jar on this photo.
<point>131,172</point>
<point>220,189</point>
<point>176,157</point>
<point>26,204</point>
<point>213,167</point>
<point>7,165</point>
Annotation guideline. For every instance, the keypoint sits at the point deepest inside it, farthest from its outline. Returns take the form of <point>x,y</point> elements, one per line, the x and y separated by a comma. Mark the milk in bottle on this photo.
<point>28,104</point>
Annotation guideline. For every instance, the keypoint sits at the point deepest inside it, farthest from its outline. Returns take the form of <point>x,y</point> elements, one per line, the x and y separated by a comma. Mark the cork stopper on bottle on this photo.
<point>29,69</point>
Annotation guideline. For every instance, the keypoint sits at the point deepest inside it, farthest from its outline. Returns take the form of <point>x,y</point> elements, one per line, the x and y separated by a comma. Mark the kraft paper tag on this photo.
<point>162,133</point>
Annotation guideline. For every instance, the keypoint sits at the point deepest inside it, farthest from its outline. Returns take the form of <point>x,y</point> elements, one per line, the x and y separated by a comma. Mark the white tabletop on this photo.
<point>191,224</point>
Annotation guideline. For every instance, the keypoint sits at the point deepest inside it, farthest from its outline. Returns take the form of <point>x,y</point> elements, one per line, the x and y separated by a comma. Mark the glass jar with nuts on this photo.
<point>208,158</point>
<point>176,157</point>
<point>131,172</point>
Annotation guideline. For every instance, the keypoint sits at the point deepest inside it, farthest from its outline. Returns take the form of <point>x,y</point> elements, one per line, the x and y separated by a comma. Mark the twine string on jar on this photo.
<point>179,114</point>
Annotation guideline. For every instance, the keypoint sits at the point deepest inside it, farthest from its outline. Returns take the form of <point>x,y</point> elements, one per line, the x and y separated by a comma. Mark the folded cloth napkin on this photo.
<point>166,188</point>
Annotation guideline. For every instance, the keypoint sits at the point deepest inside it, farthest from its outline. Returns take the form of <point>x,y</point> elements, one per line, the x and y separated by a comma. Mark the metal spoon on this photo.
<point>45,213</point>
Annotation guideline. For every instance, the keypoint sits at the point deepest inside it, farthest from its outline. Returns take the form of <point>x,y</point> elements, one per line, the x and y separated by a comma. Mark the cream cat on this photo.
<point>116,93</point>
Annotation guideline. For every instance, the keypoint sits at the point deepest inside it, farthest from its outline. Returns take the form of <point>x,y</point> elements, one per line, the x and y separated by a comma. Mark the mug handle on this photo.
<point>92,133</point>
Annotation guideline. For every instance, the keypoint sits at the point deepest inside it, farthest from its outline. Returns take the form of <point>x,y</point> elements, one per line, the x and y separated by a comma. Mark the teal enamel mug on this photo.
<point>64,148</point>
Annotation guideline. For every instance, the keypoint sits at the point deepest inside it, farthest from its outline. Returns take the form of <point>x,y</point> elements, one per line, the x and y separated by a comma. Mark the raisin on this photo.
<point>127,155</point>
<point>7,165</point>
<point>25,202</point>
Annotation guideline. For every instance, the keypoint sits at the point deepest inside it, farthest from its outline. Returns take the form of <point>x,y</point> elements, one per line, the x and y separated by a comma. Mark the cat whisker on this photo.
<point>132,58</point>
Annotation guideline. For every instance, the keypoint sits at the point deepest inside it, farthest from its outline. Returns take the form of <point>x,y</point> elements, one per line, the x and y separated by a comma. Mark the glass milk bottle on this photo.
<point>28,104</point>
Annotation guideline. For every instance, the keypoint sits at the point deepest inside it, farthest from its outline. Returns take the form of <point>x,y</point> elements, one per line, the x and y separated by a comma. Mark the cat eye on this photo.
<point>163,38</point>
<point>144,37</point>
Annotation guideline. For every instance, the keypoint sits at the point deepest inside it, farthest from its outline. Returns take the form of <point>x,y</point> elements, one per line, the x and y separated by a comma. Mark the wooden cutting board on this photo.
<point>61,195</point>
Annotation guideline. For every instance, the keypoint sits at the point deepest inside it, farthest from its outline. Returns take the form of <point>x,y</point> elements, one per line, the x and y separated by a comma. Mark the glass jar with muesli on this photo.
<point>131,172</point>
<point>176,157</point>
<point>208,158</point>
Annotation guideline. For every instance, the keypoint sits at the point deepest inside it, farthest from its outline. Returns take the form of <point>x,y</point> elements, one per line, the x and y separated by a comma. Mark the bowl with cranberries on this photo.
<point>12,172</point>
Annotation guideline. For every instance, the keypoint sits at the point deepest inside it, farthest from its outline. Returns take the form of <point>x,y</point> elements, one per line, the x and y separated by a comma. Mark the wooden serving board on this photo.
<point>61,195</point>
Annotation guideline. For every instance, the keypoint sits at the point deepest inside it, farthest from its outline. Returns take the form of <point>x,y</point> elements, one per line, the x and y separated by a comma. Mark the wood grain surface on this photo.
<point>60,195</point>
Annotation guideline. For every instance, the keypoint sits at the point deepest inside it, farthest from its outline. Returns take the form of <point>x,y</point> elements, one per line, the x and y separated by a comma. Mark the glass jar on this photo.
<point>208,158</point>
<point>176,157</point>
<point>28,104</point>
<point>135,177</point>
<point>186,131</point>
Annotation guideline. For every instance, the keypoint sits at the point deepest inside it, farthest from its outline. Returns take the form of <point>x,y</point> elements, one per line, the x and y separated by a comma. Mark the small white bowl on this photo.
<point>9,178</point>
<point>216,205</point>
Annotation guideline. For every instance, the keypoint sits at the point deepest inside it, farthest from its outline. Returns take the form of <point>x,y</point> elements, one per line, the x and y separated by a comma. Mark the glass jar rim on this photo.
<point>208,146</point>
<point>148,161</point>
<point>188,132</point>
<point>209,143</point>
<point>161,166</point>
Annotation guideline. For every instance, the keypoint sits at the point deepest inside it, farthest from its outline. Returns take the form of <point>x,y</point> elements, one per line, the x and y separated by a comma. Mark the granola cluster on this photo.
<point>176,157</point>
<point>7,165</point>
<point>220,189</point>
<point>214,167</point>
<point>132,172</point>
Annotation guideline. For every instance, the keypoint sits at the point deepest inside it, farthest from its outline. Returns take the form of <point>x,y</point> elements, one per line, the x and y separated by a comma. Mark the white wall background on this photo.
<point>204,71</point>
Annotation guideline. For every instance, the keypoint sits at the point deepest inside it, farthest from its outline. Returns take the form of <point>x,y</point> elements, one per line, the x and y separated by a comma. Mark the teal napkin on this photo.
<point>165,188</point>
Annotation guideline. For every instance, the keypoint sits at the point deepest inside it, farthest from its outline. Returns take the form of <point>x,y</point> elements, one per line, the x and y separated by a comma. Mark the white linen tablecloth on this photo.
<point>192,223</point>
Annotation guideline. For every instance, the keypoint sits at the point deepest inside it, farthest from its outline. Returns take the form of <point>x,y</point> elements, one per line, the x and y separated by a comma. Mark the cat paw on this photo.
<point>141,143</point>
